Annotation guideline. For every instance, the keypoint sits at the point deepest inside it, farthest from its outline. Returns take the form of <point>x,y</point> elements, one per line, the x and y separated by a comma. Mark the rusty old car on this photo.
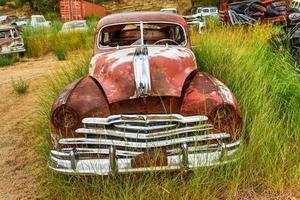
<point>144,106</point>
<point>11,41</point>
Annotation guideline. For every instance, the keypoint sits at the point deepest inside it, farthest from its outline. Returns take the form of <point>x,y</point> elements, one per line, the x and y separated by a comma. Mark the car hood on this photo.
<point>169,68</point>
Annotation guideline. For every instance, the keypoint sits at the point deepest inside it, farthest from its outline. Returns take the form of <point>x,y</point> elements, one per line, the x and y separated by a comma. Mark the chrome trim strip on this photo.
<point>65,152</point>
<point>146,136</point>
<point>102,151</point>
<point>142,145</point>
<point>142,75</point>
<point>145,119</point>
<point>81,151</point>
<point>144,128</point>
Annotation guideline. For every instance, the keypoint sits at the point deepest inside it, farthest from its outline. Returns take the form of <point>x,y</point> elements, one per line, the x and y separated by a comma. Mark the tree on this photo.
<point>42,5</point>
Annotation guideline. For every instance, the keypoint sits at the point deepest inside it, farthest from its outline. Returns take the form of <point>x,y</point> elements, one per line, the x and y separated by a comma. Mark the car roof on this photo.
<point>210,7</point>
<point>37,15</point>
<point>6,27</point>
<point>141,16</point>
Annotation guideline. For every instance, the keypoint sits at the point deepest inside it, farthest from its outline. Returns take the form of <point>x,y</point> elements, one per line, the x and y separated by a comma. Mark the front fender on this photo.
<point>206,95</point>
<point>83,98</point>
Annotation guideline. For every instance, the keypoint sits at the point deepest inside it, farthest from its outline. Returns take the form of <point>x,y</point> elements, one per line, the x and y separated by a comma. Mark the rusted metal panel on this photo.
<point>6,41</point>
<point>70,102</point>
<point>169,66</point>
<point>79,9</point>
<point>149,105</point>
<point>206,95</point>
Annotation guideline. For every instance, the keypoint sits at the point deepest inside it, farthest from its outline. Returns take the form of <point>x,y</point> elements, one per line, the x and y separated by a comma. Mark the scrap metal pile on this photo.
<point>248,12</point>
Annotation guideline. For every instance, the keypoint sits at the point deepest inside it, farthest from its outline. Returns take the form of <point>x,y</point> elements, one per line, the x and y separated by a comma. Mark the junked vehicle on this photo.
<point>145,106</point>
<point>78,25</point>
<point>21,21</point>
<point>169,10</point>
<point>10,41</point>
<point>39,21</point>
<point>7,19</point>
<point>289,40</point>
<point>195,23</point>
<point>248,12</point>
<point>207,11</point>
<point>295,4</point>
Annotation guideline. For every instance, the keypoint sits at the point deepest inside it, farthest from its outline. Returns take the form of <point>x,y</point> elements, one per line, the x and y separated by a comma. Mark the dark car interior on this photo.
<point>153,34</point>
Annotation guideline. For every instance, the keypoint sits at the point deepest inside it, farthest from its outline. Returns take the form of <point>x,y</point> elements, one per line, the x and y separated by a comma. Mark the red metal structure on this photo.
<point>246,12</point>
<point>145,105</point>
<point>78,9</point>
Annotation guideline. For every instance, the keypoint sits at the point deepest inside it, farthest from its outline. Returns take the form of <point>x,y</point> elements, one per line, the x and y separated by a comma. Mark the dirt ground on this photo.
<point>18,159</point>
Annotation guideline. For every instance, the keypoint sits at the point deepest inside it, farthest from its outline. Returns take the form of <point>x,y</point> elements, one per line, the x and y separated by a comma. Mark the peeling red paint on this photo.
<point>169,66</point>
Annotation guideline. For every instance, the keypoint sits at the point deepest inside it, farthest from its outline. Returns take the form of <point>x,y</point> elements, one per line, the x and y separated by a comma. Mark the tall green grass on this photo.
<point>268,90</point>
<point>40,41</point>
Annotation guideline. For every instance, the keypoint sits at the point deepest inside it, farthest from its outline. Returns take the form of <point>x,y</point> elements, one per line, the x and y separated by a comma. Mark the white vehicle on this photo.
<point>197,23</point>
<point>20,22</point>
<point>39,21</point>
<point>169,10</point>
<point>295,4</point>
<point>79,25</point>
<point>206,12</point>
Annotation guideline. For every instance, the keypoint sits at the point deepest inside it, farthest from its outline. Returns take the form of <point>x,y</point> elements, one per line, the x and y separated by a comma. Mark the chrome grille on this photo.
<point>108,145</point>
<point>131,135</point>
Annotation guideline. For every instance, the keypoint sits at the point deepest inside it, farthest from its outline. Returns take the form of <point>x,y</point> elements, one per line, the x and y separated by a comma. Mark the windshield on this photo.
<point>205,10</point>
<point>40,19</point>
<point>213,10</point>
<point>142,34</point>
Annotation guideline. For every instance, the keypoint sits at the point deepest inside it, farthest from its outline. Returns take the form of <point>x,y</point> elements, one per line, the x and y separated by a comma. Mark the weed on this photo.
<point>5,61</point>
<point>41,41</point>
<point>3,2</point>
<point>21,86</point>
<point>61,53</point>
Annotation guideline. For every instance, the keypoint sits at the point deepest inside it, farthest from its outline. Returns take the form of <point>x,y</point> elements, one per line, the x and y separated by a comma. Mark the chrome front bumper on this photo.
<point>117,140</point>
<point>12,50</point>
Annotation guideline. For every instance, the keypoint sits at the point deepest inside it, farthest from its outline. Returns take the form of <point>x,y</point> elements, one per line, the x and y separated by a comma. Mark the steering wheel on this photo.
<point>166,41</point>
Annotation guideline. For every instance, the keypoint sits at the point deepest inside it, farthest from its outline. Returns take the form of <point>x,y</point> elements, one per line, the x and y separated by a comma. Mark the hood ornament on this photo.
<point>142,72</point>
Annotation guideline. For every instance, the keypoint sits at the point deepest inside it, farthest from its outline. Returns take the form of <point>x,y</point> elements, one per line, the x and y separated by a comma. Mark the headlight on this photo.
<point>225,119</point>
<point>65,118</point>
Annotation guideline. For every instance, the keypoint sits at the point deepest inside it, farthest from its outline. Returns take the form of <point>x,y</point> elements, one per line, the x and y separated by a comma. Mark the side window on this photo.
<point>205,10</point>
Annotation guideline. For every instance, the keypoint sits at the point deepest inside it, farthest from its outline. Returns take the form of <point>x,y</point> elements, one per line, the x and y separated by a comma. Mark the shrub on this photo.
<point>5,61</point>
<point>21,86</point>
<point>3,2</point>
<point>37,41</point>
<point>61,53</point>
<point>42,41</point>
